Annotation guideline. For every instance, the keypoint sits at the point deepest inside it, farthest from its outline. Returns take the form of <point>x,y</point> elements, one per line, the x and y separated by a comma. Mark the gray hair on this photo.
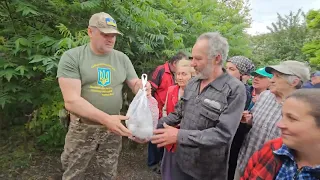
<point>217,45</point>
<point>292,78</point>
<point>311,97</point>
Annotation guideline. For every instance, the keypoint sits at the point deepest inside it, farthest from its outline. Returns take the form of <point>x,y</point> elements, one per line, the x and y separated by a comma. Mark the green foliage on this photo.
<point>155,30</point>
<point>34,34</point>
<point>313,19</point>
<point>312,48</point>
<point>284,41</point>
<point>45,124</point>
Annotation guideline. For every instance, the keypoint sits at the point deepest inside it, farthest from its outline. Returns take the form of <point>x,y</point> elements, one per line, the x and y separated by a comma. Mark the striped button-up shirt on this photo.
<point>266,113</point>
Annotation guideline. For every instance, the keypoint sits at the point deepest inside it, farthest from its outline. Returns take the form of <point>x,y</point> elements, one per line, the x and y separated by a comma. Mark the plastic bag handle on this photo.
<point>144,80</point>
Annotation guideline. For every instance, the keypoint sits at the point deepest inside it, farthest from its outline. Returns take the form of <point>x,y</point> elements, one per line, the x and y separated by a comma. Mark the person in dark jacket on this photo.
<point>295,155</point>
<point>239,66</point>
<point>209,114</point>
<point>314,82</point>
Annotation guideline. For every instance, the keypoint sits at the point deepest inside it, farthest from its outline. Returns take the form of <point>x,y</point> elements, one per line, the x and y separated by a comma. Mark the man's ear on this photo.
<point>295,82</point>
<point>90,32</point>
<point>218,60</point>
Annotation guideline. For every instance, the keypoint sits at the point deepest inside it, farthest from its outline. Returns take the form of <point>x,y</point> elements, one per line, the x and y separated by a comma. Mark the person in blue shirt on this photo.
<point>314,82</point>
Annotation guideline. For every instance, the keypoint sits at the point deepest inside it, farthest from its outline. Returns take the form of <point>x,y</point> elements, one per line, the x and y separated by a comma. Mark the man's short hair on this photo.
<point>177,57</point>
<point>218,45</point>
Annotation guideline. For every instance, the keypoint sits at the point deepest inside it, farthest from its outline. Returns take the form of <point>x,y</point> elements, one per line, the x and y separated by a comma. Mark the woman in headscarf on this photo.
<point>238,67</point>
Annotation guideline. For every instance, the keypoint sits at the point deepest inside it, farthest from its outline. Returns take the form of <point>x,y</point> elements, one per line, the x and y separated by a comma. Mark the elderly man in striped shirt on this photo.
<point>287,77</point>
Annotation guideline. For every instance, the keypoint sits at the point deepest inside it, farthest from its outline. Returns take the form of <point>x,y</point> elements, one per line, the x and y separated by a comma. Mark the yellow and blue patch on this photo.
<point>111,22</point>
<point>104,76</point>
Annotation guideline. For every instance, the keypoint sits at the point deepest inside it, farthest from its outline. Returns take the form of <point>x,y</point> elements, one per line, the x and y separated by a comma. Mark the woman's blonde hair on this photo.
<point>186,63</point>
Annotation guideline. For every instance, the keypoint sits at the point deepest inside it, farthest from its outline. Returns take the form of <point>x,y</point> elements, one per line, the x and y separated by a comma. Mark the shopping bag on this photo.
<point>143,114</point>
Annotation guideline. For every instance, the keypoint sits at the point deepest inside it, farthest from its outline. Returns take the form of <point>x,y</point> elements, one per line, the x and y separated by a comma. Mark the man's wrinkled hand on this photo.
<point>165,136</point>
<point>114,125</point>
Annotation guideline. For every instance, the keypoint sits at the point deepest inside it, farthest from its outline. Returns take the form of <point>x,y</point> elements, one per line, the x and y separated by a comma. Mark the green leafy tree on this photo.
<point>34,34</point>
<point>312,48</point>
<point>285,40</point>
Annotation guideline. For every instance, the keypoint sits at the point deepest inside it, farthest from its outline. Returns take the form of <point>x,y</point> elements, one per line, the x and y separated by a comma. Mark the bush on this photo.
<point>34,34</point>
<point>45,125</point>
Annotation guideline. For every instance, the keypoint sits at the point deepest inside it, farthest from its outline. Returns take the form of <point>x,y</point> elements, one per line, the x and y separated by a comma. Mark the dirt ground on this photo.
<point>46,166</point>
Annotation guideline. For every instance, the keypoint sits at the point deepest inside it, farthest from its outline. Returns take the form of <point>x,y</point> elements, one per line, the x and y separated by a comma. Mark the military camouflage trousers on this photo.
<point>90,152</point>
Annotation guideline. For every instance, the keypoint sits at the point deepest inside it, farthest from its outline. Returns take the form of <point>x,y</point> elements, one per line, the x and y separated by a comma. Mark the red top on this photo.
<point>161,80</point>
<point>264,164</point>
<point>173,98</point>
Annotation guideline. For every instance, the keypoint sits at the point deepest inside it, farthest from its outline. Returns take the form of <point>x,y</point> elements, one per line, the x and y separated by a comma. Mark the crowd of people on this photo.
<point>212,124</point>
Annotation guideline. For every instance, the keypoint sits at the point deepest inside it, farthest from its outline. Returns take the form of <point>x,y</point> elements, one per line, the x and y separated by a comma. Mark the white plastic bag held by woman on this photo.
<point>143,114</point>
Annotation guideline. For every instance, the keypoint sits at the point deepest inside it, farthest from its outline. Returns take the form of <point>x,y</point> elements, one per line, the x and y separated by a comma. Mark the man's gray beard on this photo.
<point>201,76</point>
<point>204,74</point>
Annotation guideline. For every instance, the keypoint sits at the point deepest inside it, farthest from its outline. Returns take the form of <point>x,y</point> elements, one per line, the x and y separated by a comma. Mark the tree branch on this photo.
<point>10,15</point>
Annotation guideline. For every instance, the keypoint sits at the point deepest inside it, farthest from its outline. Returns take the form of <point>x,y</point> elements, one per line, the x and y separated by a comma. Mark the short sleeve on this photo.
<point>68,66</point>
<point>131,73</point>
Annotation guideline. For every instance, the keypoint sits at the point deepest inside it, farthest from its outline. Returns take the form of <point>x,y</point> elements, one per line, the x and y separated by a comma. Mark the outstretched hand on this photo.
<point>165,136</point>
<point>114,125</point>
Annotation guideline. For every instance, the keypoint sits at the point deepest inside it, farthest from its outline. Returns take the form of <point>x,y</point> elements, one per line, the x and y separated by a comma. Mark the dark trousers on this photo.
<point>155,154</point>
<point>238,139</point>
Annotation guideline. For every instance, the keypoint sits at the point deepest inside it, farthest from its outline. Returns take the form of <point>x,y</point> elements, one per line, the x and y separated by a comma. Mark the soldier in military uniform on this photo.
<point>91,78</point>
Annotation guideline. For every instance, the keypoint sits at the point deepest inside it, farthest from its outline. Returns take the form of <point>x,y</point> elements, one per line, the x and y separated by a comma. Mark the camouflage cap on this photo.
<point>104,22</point>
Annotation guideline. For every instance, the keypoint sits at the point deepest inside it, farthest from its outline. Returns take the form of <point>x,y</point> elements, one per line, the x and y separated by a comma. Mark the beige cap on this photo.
<point>104,22</point>
<point>291,67</point>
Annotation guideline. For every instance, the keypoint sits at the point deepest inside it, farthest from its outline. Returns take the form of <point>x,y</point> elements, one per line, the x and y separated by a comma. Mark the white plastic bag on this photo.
<point>143,114</point>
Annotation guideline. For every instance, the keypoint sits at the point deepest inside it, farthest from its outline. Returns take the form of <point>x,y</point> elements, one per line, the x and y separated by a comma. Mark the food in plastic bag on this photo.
<point>143,114</point>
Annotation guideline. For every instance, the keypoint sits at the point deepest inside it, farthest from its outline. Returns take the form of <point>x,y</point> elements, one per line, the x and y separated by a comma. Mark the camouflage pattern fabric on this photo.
<point>90,147</point>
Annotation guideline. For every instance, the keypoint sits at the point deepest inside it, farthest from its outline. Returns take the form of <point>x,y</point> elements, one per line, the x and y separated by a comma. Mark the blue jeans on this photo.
<point>154,154</point>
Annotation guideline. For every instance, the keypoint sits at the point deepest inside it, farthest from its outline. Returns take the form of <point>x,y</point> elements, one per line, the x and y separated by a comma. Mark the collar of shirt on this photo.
<point>167,68</point>
<point>287,155</point>
<point>284,151</point>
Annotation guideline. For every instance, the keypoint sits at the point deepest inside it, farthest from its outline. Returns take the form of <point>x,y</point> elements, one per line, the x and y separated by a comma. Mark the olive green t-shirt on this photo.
<point>102,76</point>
